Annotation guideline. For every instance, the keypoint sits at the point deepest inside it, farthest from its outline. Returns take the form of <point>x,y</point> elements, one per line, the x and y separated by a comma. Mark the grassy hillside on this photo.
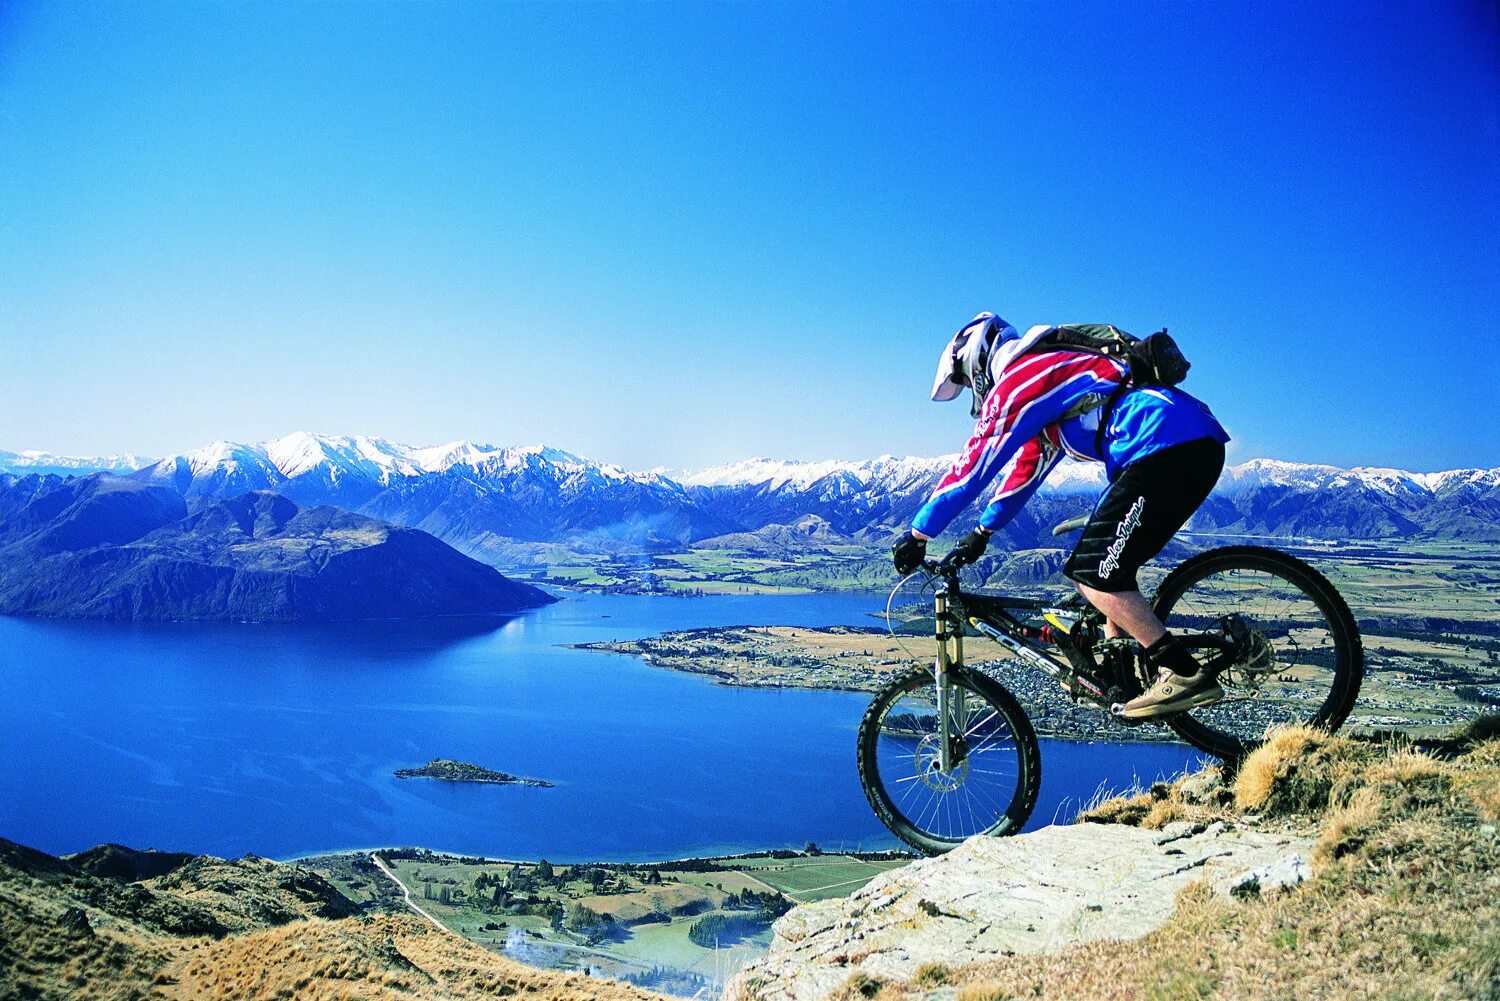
<point>243,929</point>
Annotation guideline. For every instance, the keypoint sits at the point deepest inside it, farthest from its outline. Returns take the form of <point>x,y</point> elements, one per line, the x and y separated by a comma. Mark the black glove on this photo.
<point>908,553</point>
<point>968,549</point>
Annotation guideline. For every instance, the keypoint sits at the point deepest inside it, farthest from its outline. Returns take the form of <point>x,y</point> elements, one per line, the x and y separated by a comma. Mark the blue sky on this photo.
<point>678,234</point>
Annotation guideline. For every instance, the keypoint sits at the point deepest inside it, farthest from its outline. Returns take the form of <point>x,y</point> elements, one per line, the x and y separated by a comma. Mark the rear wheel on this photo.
<point>1301,661</point>
<point>996,770</point>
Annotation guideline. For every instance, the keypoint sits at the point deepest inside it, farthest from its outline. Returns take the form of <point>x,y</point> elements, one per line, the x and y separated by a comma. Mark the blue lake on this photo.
<point>281,740</point>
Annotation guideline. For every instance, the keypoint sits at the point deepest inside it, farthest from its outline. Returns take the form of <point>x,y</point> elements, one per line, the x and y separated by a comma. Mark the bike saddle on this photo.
<point>1071,525</point>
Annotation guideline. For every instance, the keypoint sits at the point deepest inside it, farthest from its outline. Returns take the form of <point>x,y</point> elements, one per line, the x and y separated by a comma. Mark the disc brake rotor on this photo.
<point>931,773</point>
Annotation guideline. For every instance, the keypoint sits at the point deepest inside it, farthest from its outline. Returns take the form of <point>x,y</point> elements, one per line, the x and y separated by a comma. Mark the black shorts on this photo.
<point>1139,513</point>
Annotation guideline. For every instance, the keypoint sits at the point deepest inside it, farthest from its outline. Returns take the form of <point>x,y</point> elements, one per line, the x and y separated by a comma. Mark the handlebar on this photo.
<point>947,566</point>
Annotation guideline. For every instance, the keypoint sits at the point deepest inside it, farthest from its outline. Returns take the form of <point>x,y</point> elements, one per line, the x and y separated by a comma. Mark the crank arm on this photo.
<point>1224,653</point>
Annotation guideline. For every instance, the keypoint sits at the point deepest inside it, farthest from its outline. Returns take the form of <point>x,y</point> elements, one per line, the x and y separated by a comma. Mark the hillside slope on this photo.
<point>1198,890</point>
<point>111,548</point>
<point>244,929</point>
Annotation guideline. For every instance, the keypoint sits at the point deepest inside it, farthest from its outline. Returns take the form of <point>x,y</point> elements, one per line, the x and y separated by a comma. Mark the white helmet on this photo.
<point>968,360</point>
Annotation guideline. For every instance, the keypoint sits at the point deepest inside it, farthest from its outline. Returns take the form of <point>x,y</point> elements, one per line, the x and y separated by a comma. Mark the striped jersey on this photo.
<point>1032,418</point>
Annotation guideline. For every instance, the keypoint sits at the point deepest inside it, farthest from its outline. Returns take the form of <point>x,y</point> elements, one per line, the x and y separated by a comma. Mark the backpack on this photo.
<point>1155,360</point>
<point>1151,361</point>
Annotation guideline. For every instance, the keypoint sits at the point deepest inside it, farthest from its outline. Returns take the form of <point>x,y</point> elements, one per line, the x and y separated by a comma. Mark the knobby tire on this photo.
<point>1348,670</point>
<point>1028,757</point>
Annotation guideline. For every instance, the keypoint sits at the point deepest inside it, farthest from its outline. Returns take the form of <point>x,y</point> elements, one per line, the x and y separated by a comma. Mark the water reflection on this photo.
<point>366,639</point>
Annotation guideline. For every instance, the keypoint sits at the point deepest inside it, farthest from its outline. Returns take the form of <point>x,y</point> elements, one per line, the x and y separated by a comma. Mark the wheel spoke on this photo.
<point>1309,632</point>
<point>988,774</point>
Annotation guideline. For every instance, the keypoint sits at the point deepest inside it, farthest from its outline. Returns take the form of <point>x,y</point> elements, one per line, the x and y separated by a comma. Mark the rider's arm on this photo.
<point>1032,394</point>
<point>1018,481</point>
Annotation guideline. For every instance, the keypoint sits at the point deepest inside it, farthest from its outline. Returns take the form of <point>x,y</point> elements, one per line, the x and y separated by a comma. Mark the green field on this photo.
<point>819,877</point>
<point>651,909</point>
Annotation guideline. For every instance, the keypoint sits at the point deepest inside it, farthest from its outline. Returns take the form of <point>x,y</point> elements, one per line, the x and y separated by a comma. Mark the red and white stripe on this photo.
<point>1030,383</point>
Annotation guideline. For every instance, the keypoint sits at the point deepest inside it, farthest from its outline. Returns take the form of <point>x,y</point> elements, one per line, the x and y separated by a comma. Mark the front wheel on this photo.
<point>996,770</point>
<point>1300,660</point>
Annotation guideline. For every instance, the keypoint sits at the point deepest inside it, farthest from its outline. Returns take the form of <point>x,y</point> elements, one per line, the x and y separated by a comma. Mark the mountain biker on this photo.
<point>1162,451</point>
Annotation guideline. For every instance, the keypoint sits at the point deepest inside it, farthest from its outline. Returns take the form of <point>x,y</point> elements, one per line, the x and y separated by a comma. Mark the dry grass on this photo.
<point>1201,798</point>
<point>1405,903</point>
<point>1300,771</point>
<point>931,975</point>
<point>358,959</point>
<point>68,935</point>
<point>861,986</point>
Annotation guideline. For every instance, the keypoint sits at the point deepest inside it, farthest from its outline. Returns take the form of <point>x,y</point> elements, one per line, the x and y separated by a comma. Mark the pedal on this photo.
<point>1114,714</point>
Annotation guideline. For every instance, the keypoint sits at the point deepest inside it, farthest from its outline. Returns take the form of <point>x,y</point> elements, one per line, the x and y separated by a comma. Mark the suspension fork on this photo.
<point>948,631</point>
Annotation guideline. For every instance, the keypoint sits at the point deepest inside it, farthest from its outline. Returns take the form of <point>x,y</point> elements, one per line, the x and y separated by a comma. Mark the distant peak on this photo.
<point>379,460</point>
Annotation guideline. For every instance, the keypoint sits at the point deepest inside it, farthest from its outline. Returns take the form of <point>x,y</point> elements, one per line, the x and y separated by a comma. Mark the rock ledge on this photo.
<point>993,897</point>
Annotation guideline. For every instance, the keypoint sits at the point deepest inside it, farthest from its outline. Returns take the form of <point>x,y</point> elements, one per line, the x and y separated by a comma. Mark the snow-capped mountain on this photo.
<point>1303,476</point>
<point>1267,497</point>
<point>470,495</point>
<point>45,463</point>
<point>886,473</point>
<point>486,498</point>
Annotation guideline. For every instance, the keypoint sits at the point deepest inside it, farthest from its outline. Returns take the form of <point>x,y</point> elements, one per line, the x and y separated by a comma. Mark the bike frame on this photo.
<point>991,616</point>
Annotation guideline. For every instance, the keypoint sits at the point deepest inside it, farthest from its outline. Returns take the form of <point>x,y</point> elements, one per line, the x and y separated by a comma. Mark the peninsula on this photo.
<point>1415,693</point>
<point>861,659</point>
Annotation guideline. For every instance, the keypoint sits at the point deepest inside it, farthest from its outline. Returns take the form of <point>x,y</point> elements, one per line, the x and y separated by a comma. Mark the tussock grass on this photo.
<point>1299,771</point>
<point>1200,797</point>
<point>1404,903</point>
<point>862,985</point>
<point>931,975</point>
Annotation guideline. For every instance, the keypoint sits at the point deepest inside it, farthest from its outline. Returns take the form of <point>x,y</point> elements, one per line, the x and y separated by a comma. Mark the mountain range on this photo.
<point>489,500</point>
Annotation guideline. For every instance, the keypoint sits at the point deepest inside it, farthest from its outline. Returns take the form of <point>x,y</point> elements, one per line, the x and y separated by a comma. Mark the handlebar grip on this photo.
<point>953,561</point>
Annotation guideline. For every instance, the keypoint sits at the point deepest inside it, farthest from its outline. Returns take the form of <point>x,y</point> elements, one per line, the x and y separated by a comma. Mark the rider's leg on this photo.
<point>1130,612</point>
<point>1126,613</point>
<point>1134,520</point>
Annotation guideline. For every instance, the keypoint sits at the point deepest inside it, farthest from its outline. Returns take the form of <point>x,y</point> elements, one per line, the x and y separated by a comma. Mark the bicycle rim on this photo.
<point>1315,661</point>
<point>990,789</point>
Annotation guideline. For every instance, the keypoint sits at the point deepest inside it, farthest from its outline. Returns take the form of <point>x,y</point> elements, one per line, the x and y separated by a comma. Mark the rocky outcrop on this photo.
<point>127,865</point>
<point>250,892</point>
<point>994,897</point>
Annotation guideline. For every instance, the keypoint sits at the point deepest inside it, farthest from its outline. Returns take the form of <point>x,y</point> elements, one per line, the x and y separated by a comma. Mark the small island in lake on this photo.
<point>463,771</point>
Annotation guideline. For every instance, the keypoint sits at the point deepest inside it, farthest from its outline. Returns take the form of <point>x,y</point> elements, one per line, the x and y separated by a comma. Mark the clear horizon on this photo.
<point>678,235</point>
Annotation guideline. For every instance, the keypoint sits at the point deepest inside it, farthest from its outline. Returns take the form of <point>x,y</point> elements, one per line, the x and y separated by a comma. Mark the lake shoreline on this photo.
<point>281,740</point>
<point>863,659</point>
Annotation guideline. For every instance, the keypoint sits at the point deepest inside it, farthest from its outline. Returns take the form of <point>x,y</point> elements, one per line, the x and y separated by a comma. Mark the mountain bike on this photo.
<point>947,752</point>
